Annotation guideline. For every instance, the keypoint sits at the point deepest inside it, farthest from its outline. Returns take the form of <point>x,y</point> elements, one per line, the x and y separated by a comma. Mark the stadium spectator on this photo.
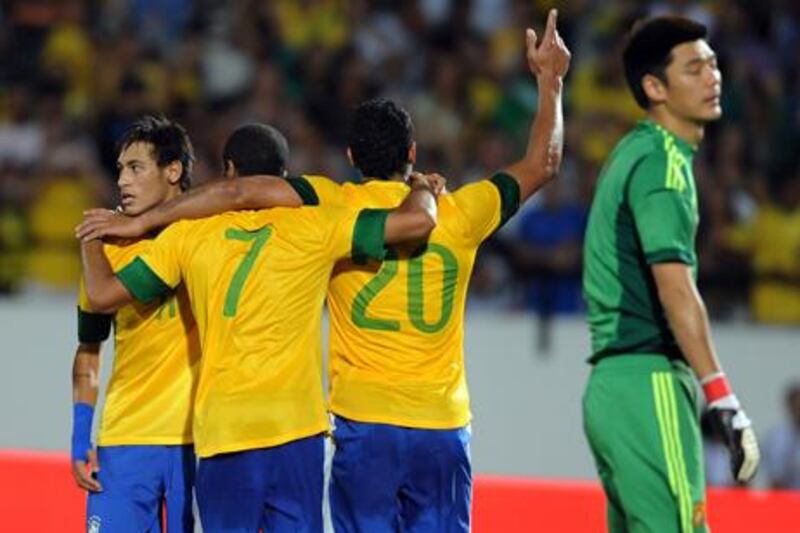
<point>457,65</point>
<point>782,445</point>
<point>772,241</point>
<point>548,252</point>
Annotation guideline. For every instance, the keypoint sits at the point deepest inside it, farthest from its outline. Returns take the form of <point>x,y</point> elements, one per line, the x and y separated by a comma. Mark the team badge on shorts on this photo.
<point>699,514</point>
<point>94,524</point>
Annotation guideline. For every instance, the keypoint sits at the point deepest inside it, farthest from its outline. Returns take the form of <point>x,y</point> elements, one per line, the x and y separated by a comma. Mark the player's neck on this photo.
<point>394,177</point>
<point>173,192</point>
<point>688,130</point>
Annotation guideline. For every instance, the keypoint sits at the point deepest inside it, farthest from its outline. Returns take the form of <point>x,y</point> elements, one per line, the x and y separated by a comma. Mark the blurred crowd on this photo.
<point>76,73</point>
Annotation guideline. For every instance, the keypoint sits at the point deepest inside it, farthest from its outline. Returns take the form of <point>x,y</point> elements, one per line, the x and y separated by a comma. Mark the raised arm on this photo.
<point>252,192</point>
<point>549,62</point>
<point>105,292</point>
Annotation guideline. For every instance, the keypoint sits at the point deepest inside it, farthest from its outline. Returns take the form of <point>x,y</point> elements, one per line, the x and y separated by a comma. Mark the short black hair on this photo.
<point>256,149</point>
<point>379,138</point>
<point>169,140</point>
<point>648,49</point>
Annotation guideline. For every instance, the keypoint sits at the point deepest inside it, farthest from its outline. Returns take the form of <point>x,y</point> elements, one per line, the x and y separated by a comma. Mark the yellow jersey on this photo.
<point>150,393</point>
<point>397,328</point>
<point>256,281</point>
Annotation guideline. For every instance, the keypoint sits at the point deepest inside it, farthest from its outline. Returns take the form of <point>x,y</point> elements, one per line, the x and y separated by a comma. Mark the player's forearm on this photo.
<point>85,374</point>
<point>252,192</point>
<point>414,219</point>
<point>102,286</point>
<point>85,384</point>
<point>688,319</point>
<point>543,155</point>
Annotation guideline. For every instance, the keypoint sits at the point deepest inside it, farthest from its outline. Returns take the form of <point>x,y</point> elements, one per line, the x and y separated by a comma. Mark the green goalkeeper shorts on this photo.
<point>640,417</point>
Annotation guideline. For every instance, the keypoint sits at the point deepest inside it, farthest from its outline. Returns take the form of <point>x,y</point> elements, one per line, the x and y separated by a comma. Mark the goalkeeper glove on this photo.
<point>731,423</point>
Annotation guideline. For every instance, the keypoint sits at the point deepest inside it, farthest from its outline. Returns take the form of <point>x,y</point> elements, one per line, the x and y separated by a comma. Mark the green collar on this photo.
<point>687,149</point>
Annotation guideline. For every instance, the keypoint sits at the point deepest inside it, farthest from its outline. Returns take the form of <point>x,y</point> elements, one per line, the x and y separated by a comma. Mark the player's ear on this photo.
<point>174,171</point>
<point>654,88</point>
<point>412,153</point>
<point>230,169</point>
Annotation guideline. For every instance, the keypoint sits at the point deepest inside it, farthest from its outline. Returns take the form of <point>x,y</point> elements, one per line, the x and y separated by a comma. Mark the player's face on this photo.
<point>142,183</point>
<point>694,82</point>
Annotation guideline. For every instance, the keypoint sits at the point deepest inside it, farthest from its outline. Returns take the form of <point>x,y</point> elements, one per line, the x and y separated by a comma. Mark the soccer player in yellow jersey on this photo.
<point>397,382</point>
<point>145,456</point>
<point>257,281</point>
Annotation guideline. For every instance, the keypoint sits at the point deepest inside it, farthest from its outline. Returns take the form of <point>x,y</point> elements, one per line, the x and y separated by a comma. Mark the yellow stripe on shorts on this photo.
<point>667,416</point>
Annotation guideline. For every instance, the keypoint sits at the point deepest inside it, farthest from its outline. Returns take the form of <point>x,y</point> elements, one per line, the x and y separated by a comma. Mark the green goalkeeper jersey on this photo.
<point>644,212</point>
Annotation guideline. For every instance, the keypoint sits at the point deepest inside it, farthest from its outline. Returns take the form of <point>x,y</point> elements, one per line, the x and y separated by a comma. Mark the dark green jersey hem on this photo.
<point>304,190</point>
<point>93,327</point>
<point>671,255</point>
<point>669,351</point>
<point>368,241</point>
<point>508,187</point>
<point>142,282</point>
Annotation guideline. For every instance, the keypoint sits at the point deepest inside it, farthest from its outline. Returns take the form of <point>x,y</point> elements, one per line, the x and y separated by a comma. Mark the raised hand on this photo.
<point>102,223</point>
<point>551,57</point>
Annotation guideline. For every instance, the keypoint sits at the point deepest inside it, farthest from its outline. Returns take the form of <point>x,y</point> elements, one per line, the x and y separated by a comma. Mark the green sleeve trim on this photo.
<point>142,282</point>
<point>669,255</point>
<point>304,190</point>
<point>93,327</point>
<point>508,187</point>
<point>368,241</point>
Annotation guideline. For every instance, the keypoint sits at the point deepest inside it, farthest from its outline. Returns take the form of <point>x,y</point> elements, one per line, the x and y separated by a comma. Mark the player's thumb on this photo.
<point>530,37</point>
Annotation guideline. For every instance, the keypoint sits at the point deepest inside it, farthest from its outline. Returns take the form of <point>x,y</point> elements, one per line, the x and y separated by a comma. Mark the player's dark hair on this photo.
<point>169,142</point>
<point>379,137</point>
<point>256,149</point>
<point>648,49</point>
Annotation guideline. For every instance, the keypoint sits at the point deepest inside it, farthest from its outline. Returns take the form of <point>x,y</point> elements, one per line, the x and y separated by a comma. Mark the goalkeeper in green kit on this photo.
<point>648,324</point>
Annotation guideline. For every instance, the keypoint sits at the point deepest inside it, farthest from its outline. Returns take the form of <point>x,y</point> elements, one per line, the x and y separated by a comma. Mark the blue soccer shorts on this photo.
<point>388,478</point>
<point>277,489</point>
<point>138,482</point>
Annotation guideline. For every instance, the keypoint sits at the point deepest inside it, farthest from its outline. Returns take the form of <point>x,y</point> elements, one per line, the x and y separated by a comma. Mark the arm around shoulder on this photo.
<point>251,192</point>
<point>104,291</point>
<point>416,217</point>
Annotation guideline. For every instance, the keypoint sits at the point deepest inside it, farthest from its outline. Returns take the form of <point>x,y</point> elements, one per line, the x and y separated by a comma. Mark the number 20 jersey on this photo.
<point>397,326</point>
<point>256,282</point>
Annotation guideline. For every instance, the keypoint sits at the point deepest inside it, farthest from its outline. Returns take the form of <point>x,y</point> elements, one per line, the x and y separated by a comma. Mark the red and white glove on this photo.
<point>730,421</point>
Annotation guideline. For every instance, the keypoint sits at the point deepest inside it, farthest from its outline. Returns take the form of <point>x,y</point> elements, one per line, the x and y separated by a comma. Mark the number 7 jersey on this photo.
<point>397,327</point>
<point>256,282</point>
